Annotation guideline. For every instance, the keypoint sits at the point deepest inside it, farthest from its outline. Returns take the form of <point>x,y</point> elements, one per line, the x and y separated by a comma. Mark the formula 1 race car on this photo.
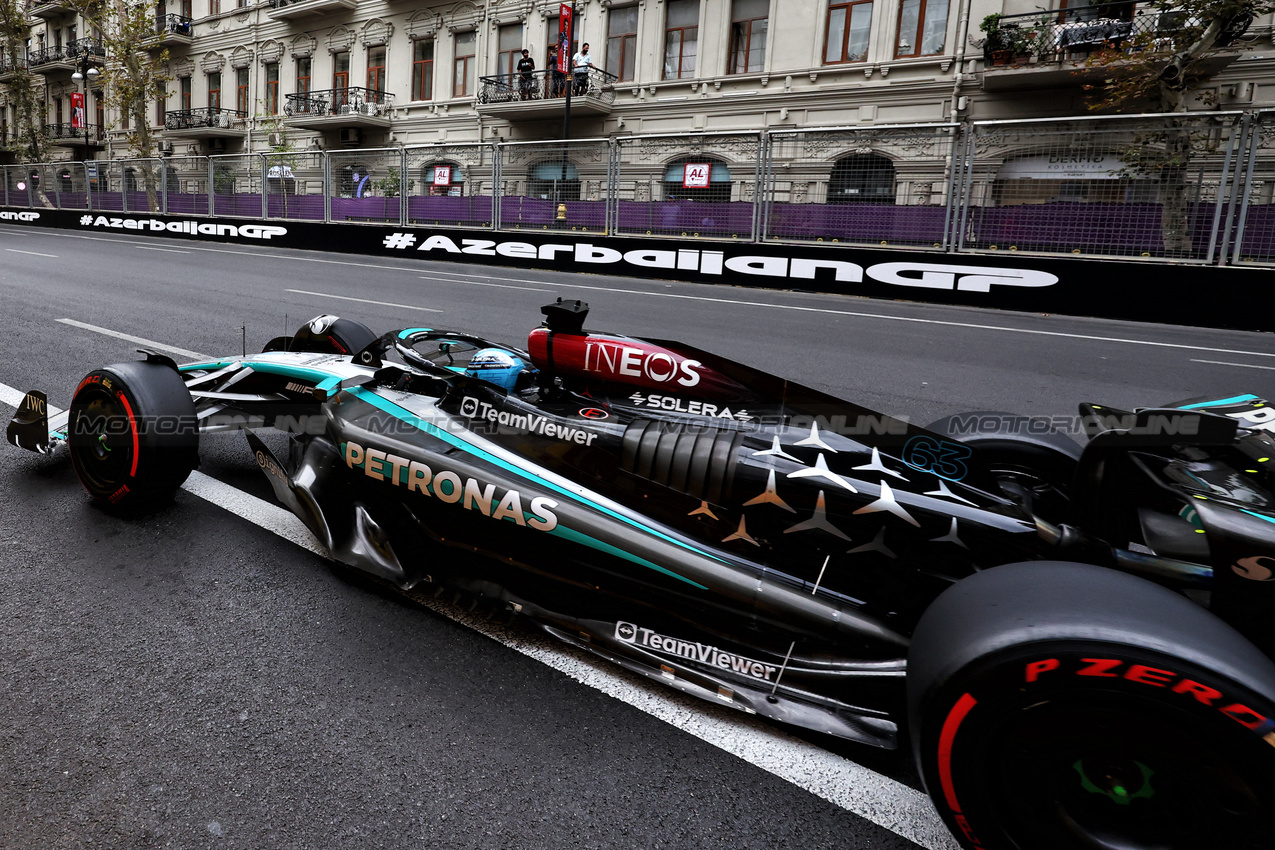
<point>1076,641</point>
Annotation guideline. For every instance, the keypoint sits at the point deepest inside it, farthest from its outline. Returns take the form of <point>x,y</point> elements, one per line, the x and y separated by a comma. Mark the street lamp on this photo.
<point>84,74</point>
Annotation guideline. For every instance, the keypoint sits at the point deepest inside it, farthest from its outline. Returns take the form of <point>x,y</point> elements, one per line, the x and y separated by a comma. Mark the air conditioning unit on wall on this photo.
<point>275,140</point>
<point>350,136</point>
<point>166,147</point>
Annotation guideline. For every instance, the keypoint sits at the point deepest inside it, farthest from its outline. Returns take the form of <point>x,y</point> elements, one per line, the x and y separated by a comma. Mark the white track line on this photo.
<point>148,343</point>
<point>364,300</point>
<point>1225,363</point>
<point>483,283</point>
<point>32,253</point>
<point>150,248</point>
<point>857,789</point>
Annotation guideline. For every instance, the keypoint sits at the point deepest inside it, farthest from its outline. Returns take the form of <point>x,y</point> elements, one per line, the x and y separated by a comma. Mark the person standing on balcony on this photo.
<point>581,63</point>
<point>525,66</point>
<point>557,79</point>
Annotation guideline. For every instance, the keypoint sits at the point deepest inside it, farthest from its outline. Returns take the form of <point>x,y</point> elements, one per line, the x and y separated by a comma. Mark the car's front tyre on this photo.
<point>132,433</point>
<point>1057,706</point>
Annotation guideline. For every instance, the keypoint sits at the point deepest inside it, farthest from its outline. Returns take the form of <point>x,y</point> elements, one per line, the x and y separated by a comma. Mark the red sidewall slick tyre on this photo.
<point>1056,706</point>
<point>133,433</point>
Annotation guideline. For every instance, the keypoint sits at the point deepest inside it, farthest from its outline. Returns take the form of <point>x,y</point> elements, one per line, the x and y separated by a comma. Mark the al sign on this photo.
<point>442,175</point>
<point>696,175</point>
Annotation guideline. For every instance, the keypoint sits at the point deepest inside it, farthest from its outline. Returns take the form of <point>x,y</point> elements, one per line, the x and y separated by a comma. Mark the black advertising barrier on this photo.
<point>1205,296</point>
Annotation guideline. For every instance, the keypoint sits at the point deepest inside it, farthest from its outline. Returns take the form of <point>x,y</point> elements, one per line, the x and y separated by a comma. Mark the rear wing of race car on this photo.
<point>32,428</point>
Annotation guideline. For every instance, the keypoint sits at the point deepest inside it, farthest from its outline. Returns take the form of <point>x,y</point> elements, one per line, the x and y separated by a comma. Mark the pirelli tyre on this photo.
<point>133,434</point>
<point>1034,462</point>
<point>1057,706</point>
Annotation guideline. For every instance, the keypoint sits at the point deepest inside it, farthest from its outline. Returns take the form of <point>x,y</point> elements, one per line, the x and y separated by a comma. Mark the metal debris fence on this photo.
<point>1196,188</point>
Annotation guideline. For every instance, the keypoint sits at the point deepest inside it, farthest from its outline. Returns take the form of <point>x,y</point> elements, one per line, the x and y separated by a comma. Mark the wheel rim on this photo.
<point>1124,773</point>
<point>102,440</point>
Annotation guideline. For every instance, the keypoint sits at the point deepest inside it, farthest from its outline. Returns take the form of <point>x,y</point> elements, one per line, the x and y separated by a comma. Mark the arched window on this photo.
<point>862,179</point>
<point>697,179</point>
<point>554,180</point>
<point>442,178</point>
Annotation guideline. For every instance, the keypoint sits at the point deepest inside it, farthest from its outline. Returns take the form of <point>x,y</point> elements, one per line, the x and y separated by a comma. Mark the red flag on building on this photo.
<point>77,110</point>
<point>566,14</point>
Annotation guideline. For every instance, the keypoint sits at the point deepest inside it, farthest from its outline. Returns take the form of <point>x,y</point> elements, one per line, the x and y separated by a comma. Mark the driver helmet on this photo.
<point>496,366</point>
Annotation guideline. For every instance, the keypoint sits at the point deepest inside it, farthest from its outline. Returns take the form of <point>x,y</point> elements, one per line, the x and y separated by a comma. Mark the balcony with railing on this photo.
<point>49,8</point>
<point>204,123</point>
<point>68,135</point>
<point>171,30</point>
<point>8,65</point>
<point>1049,48</point>
<point>542,94</point>
<point>280,10</point>
<point>347,107</point>
<point>64,57</point>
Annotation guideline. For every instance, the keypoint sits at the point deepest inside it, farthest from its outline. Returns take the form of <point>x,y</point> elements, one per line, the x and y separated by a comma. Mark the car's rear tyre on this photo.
<point>1033,462</point>
<point>331,334</point>
<point>1056,706</point>
<point>132,433</point>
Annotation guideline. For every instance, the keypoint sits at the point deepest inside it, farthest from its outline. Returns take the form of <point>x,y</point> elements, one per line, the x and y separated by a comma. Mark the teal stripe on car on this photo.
<point>451,439</point>
<point>1222,401</point>
<point>404,334</point>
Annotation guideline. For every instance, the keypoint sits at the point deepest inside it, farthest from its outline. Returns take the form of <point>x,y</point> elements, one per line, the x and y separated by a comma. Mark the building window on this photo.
<point>622,42</point>
<point>463,74</point>
<point>509,47</point>
<point>214,7</point>
<point>862,179</point>
<point>554,180</point>
<point>184,88</point>
<point>272,88</point>
<point>376,69</point>
<point>57,110</point>
<point>555,30</point>
<point>303,74</point>
<point>848,28</point>
<point>214,90</point>
<point>922,28</point>
<point>241,90</point>
<point>161,102</point>
<point>341,70</point>
<point>99,112</point>
<point>681,39</point>
<point>423,70</point>
<point>749,23</point>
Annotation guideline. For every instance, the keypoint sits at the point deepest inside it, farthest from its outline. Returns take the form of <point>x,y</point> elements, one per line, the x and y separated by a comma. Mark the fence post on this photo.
<point>212,207</point>
<point>1254,142</point>
<point>761,179</point>
<point>1235,151</point>
<point>965,185</point>
<point>402,187</point>
<point>88,185</point>
<point>950,207</point>
<point>497,183</point>
<point>327,187</point>
<point>265,185</point>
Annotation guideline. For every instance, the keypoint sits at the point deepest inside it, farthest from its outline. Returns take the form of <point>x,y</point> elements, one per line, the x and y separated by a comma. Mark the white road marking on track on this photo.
<point>149,343</point>
<point>32,253</point>
<point>1225,363</point>
<point>735,301</point>
<point>149,248</point>
<point>857,789</point>
<point>364,300</point>
<point>481,283</point>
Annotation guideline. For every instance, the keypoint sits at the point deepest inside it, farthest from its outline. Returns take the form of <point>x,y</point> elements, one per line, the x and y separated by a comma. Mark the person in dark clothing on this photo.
<point>557,80</point>
<point>525,66</point>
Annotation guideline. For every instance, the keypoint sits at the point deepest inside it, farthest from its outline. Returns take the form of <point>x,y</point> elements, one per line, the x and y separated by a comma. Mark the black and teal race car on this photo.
<point>1075,639</point>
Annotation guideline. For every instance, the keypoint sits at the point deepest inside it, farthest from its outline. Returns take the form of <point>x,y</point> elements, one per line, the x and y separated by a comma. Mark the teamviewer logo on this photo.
<point>469,407</point>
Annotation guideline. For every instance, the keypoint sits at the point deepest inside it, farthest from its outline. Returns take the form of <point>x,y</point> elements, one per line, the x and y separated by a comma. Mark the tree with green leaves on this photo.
<point>133,78</point>
<point>1159,68</point>
<point>30,141</point>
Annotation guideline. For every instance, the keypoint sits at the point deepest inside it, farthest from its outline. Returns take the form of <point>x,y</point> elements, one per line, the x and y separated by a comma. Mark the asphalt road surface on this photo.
<point>203,678</point>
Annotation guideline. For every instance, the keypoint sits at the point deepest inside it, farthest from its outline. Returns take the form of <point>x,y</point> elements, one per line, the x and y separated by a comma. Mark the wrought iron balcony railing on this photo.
<point>172,25</point>
<point>546,85</point>
<point>66,130</point>
<point>71,52</point>
<point>1129,25</point>
<point>207,116</point>
<point>347,101</point>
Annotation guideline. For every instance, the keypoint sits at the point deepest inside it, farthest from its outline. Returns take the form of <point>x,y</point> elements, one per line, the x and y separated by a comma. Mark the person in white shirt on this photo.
<point>581,63</point>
